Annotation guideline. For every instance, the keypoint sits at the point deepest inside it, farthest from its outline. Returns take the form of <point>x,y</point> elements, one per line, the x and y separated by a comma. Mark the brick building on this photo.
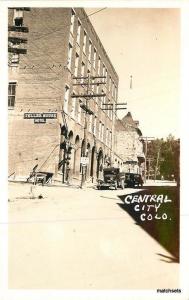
<point>128,144</point>
<point>48,47</point>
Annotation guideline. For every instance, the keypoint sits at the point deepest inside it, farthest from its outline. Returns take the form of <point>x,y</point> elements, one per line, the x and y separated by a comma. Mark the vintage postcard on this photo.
<point>94,148</point>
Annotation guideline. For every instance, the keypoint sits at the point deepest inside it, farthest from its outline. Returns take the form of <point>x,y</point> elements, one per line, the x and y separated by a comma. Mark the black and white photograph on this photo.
<point>94,99</point>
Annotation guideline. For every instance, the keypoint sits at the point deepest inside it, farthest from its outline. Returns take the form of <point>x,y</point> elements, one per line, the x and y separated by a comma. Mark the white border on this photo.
<point>3,152</point>
<point>110,294</point>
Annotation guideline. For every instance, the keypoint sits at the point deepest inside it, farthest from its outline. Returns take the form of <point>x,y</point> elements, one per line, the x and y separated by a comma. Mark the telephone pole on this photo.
<point>114,107</point>
<point>87,81</point>
<point>146,139</point>
<point>149,160</point>
<point>158,160</point>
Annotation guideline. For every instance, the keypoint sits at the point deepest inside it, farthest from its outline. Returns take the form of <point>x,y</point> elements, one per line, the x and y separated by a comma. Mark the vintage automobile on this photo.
<point>112,177</point>
<point>132,180</point>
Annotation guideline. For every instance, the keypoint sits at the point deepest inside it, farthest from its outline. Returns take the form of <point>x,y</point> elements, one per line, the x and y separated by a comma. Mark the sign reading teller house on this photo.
<point>40,118</point>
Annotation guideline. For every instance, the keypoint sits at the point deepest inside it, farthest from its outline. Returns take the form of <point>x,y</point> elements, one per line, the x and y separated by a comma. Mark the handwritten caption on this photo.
<point>149,207</point>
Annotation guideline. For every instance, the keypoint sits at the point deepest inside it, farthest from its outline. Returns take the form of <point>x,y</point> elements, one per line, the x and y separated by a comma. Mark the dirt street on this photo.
<point>81,239</point>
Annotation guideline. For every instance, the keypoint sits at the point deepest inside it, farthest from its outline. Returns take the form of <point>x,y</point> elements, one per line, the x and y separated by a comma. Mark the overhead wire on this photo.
<point>34,44</point>
<point>67,25</point>
<point>64,26</point>
<point>54,87</point>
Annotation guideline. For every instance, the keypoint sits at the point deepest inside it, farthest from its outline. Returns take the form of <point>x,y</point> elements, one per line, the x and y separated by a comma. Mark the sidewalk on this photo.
<point>25,190</point>
<point>151,182</point>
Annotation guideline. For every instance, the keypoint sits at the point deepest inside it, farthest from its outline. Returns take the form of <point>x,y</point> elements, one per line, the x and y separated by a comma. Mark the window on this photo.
<point>107,136</point>
<point>89,53</point>
<point>94,58</point>
<point>70,50</point>
<point>97,88</point>
<point>115,93</point>
<point>111,112</point>
<point>106,79</point>
<point>73,111</point>
<point>103,101</point>
<point>113,89</point>
<point>99,130</point>
<point>82,68</point>
<point>72,21</point>
<point>66,98</point>
<point>94,125</point>
<point>84,42</point>
<point>102,132</point>
<point>76,64</point>
<point>79,112</point>
<point>11,94</point>
<point>78,31</point>
<point>103,71</point>
<point>18,17</point>
<point>90,122</point>
<point>110,139</point>
<point>99,64</point>
<point>110,108</point>
<point>110,81</point>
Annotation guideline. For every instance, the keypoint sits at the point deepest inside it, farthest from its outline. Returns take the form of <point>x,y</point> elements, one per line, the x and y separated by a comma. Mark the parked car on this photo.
<point>132,180</point>
<point>112,177</point>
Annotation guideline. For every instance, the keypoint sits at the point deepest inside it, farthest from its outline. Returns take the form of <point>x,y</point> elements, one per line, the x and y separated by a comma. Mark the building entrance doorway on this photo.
<point>100,164</point>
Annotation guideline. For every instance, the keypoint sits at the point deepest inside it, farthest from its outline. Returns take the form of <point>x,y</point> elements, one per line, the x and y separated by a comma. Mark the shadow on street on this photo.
<point>164,231</point>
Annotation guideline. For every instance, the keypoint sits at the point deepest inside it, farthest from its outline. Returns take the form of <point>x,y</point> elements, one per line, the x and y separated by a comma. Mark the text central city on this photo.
<point>150,206</point>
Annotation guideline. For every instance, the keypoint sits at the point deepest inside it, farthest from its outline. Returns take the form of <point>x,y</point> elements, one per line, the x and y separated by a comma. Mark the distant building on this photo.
<point>48,47</point>
<point>128,144</point>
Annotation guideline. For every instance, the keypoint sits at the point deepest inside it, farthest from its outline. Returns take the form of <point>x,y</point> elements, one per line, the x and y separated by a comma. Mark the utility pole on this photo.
<point>88,95</point>
<point>113,107</point>
<point>149,160</point>
<point>83,168</point>
<point>146,139</point>
<point>87,81</point>
<point>157,162</point>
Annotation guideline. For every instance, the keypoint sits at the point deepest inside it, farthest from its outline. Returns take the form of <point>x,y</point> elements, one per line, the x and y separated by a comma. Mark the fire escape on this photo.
<point>17,35</point>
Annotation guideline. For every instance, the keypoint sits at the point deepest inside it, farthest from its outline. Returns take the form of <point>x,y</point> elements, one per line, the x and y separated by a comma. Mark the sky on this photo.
<point>145,43</point>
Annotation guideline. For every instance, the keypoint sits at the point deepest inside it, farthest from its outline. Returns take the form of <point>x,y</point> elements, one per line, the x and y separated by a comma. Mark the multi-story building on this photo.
<point>49,49</point>
<point>128,144</point>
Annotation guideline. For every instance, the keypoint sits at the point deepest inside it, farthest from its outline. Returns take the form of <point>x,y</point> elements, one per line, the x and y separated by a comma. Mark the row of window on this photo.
<point>88,49</point>
<point>12,95</point>
<point>18,21</point>
<point>103,136</point>
<point>92,57</point>
<point>98,102</point>
<point>75,113</point>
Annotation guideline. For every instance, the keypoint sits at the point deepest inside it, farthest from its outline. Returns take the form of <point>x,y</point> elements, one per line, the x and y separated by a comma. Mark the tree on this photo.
<point>165,157</point>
